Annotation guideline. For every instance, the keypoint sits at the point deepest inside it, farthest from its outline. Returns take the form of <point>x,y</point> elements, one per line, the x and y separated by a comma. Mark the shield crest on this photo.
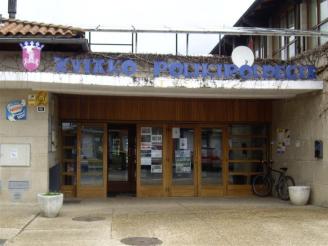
<point>31,53</point>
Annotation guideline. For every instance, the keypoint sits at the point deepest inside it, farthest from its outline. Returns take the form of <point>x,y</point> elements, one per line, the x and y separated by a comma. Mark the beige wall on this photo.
<point>307,118</point>
<point>34,131</point>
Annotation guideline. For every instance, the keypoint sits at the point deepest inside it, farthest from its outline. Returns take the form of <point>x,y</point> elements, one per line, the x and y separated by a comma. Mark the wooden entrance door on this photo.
<point>91,161</point>
<point>121,159</point>
<point>181,175</point>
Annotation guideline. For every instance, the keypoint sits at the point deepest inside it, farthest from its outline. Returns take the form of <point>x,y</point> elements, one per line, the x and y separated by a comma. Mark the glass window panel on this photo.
<point>69,180</point>
<point>240,142</point>
<point>241,179</point>
<point>245,167</point>
<point>91,156</point>
<point>323,16</point>
<point>323,10</point>
<point>282,40</point>
<point>324,27</point>
<point>211,156</point>
<point>118,155</point>
<point>183,155</point>
<point>291,40</point>
<point>248,130</point>
<point>245,154</point>
<point>69,150</point>
<point>313,13</point>
<point>151,155</point>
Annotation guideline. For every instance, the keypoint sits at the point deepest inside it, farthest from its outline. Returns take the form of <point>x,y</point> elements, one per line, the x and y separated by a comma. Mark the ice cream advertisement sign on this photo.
<point>16,110</point>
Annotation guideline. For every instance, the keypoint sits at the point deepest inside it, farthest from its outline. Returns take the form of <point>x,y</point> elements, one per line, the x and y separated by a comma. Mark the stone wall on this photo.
<point>34,131</point>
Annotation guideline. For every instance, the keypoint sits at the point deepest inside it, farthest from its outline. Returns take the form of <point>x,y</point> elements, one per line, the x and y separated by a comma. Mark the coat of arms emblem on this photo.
<point>31,55</point>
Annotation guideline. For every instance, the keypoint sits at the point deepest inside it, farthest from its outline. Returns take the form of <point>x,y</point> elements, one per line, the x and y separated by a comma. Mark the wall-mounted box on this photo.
<point>318,149</point>
<point>15,155</point>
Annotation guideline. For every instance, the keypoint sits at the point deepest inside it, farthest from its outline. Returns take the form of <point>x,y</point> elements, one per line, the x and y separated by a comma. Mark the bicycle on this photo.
<point>263,184</point>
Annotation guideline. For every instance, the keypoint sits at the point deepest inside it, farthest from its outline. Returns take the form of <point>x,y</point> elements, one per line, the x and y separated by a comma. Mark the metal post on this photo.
<point>136,49</point>
<point>132,40</point>
<point>90,40</point>
<point>176,44</point>
<point>187,44</point>
<point>220,44</point>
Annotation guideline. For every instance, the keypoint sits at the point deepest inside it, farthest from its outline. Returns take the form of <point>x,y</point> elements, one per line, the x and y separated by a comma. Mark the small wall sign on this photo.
<point>41,109</point>
<point>16,110</point>
<point>31,100</point>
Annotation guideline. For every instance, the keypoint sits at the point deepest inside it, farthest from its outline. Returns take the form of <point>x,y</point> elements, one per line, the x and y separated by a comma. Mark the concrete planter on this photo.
<point>299,195</point>
<point>50,203</point>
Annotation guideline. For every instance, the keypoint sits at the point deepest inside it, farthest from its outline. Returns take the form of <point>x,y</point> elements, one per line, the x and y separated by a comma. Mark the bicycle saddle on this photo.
<point>284,169</point>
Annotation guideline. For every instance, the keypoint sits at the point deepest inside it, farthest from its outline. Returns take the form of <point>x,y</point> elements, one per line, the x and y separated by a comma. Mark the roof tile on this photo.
<point>13,27</point>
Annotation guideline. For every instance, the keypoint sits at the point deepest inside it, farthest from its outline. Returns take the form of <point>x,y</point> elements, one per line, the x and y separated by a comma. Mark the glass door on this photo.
<point>151,160</point>
<point>212,162</point>
<point>91,161</point>
<point>248,151</point>
<point>121,161</point>
<point>182,173</point>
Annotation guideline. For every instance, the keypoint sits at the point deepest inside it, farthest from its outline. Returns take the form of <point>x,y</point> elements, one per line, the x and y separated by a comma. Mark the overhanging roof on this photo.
<point>57,37</point>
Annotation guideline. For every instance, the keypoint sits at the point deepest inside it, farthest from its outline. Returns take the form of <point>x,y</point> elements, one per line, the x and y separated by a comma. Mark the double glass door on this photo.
<point>181,161</point>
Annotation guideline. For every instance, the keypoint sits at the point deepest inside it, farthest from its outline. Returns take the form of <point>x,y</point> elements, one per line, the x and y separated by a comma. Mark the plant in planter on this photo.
<point>50,203</point>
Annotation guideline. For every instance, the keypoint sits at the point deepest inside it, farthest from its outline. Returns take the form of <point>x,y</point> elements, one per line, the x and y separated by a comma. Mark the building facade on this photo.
<point>304,115</point>
<point>96,124</point>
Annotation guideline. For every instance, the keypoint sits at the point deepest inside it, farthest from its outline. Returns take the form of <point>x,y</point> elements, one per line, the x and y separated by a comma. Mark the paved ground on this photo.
<point>176,221</point>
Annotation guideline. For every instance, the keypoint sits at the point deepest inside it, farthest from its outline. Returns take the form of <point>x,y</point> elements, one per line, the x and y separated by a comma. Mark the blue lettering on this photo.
<point>129,67</point>
<point>61,64</point>
<point>87,66</point>
<point>291,72</point>
<point>279,72</point>
<point>205,72</point>
<point>112,66</point>
<point>176,69</point>
<point>256,72</point>
<point>230,70</point>
<point>268,72</point>
<point>98,67</point>
<point>219,70</point>
<point>302,70</point>
<point>312,72</point>
<point>191,70</point>
<point>159,67</point>
<point>76,64</point>
<point>246,72</point>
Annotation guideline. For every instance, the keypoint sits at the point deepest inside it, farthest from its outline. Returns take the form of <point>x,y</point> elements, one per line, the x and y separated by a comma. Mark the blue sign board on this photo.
<point>186,70</point>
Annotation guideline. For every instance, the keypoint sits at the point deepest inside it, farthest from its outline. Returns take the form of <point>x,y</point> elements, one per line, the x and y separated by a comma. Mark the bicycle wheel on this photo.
<point>262,185</point>
<point>283,185</point>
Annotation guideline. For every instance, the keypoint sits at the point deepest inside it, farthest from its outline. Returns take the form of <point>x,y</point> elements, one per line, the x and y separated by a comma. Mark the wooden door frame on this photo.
<point>91,191</point>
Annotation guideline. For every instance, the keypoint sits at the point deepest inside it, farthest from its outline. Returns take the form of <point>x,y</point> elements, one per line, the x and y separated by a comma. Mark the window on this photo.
<point>313,11</point>
<point>282,40</point>
<point>318,19</point>
<point>323,16</point>
<point>291,39</point>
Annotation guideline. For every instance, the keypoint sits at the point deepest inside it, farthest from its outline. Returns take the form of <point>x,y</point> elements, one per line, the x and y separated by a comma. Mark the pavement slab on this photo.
<point>175,221</point>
